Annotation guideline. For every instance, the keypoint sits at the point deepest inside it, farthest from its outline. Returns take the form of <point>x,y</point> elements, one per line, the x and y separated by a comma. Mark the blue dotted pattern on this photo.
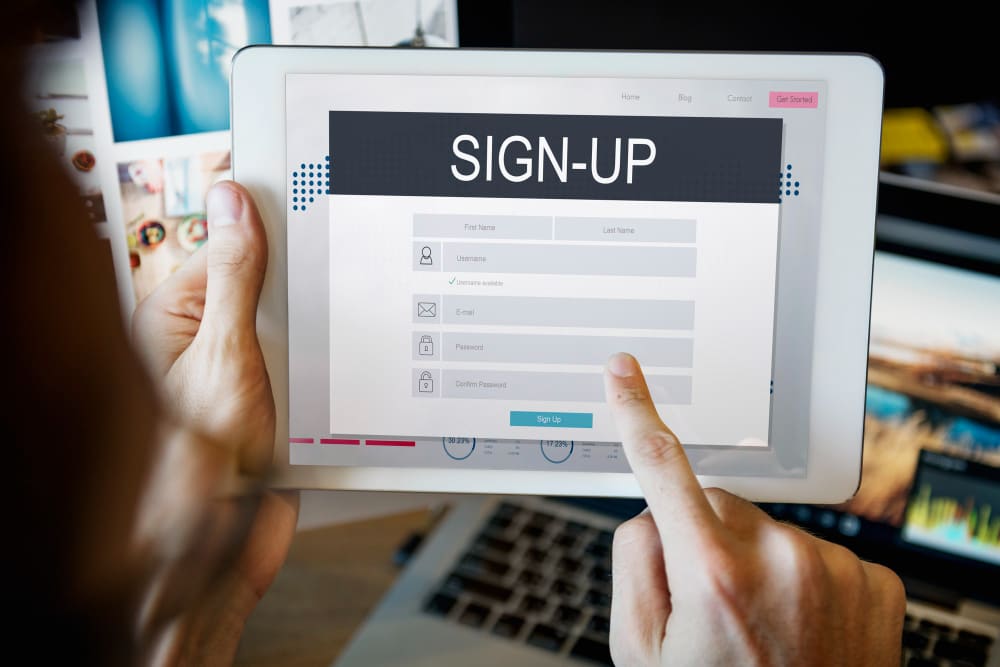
<point>310,180</point>
<point>787,187</point>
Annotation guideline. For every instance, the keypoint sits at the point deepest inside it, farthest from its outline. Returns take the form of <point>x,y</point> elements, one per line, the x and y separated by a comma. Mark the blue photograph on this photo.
<point>167,62</point>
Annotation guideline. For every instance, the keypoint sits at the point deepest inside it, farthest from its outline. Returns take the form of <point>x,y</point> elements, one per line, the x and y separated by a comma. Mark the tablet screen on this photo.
<point>464,253</point>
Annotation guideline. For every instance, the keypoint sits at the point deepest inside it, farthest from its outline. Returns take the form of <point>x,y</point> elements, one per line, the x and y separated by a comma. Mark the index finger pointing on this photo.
<point>675,498</point>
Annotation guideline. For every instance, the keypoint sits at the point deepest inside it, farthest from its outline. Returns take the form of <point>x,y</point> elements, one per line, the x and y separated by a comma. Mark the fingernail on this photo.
<point>224,206</point>
<point>623,365</point>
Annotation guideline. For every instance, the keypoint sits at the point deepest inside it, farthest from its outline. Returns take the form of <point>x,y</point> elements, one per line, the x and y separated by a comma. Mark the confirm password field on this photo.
<point>549,387</point>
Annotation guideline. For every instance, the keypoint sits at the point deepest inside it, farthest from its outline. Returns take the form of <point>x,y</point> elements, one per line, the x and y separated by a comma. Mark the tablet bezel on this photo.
<point>839,354</point>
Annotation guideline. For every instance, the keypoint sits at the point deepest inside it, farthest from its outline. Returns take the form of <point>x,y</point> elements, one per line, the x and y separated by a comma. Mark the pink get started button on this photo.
<point>791,100</point>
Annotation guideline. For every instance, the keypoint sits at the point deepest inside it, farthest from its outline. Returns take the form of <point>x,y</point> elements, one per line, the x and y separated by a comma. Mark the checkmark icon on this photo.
<point>452,281</point>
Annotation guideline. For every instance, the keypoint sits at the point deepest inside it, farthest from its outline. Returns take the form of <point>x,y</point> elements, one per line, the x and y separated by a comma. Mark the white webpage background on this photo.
<point>309,97</point>
<point>371,273</point>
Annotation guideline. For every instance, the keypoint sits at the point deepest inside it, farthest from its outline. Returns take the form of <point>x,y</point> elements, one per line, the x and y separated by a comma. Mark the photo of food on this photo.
<point>163,201</point>
<point>167,62</point>
<point>150,234</point>
<point>83,160</point>
<point>192,233</point>
<point>933,377</point>
<point>60,102</point>
<point>372,23</point>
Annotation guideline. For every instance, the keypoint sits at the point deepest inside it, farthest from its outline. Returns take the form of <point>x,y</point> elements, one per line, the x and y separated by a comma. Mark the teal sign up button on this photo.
<point>553,419</point>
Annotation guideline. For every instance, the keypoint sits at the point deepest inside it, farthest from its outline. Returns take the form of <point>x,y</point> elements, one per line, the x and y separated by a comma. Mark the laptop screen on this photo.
<point>954,506</point>
<point>933,404</point>
<point>930,486</point>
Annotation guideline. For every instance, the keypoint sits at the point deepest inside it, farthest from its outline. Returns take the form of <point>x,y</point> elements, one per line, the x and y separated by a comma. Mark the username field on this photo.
<point>550,258</point>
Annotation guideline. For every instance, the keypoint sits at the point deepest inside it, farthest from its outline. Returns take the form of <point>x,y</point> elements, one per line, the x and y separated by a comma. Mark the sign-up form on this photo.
<point>480,268</point>
<point>498,260</point>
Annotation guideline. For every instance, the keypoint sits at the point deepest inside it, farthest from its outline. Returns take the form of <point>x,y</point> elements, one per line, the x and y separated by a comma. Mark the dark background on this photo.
<point>943,55</point>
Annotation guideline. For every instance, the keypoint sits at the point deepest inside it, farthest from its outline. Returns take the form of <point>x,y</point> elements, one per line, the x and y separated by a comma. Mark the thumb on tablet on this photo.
<point>237,258</point>
<point>675,498</point>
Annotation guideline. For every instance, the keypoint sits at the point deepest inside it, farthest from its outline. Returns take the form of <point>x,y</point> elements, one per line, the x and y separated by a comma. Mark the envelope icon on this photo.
<point>426,309</point>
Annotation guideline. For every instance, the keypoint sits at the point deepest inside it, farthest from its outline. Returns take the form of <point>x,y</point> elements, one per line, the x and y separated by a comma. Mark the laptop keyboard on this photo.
<point>532,577</point>
<point>940,639</point>
<point>544,580</point>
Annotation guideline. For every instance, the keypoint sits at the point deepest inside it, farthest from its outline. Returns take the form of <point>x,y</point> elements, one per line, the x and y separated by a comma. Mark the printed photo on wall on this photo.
<point>373,23</point>
<point>58,98</point>
<point>167,62</point>
<point>163,201</point>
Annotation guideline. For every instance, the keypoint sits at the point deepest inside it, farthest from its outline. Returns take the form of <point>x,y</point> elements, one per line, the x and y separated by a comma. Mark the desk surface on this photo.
<point>332,580</point>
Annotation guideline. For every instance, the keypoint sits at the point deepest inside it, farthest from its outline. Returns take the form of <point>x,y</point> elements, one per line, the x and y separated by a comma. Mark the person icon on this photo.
<point>425,256</point>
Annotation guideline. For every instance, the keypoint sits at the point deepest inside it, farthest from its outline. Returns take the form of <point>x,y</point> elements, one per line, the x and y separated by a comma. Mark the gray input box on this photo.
<point>543,349</point>
<point>425,345</point>
<point>426,382</point>
<point>567,312</point>
<point>646,230</point>
<point>588,260</point>
<point>426,255</point>
<point>463,226</point>
<point>549,387</point>
<point>426,308</point>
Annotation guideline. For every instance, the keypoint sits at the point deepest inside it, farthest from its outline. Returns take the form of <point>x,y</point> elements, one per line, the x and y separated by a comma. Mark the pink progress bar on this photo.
<point>338,441</point>
<point>391,443</point>
<point>301,441</point>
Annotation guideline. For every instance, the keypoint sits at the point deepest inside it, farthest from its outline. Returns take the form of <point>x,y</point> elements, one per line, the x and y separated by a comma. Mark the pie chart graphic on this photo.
<point>459,448</point>
<point>556,451</point>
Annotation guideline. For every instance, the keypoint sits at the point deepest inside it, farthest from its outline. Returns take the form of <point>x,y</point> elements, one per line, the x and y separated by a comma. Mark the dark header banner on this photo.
<point>647,158</point>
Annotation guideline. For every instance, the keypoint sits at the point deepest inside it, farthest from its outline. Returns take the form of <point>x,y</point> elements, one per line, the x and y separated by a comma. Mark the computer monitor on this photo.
<point>929,501</point>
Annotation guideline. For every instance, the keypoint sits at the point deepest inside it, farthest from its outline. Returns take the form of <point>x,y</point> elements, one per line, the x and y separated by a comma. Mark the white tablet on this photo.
<point>459,239</point>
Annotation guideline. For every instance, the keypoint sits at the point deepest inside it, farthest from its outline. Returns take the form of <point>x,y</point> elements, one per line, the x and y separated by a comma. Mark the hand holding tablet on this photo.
<point>455,253</point>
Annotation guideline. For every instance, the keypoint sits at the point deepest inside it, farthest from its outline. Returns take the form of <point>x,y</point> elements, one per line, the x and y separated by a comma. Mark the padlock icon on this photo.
<point>426,346</point>
<point>425,385</point>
